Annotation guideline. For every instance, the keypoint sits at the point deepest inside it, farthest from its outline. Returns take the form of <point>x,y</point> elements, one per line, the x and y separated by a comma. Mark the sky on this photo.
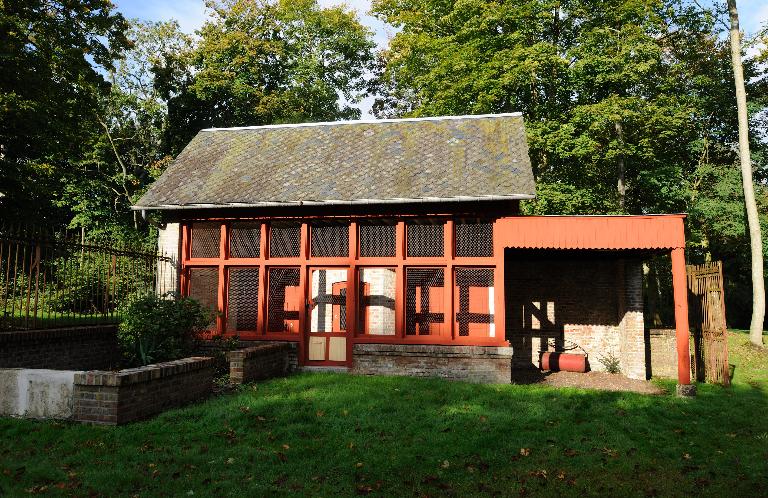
<point>192,13</point>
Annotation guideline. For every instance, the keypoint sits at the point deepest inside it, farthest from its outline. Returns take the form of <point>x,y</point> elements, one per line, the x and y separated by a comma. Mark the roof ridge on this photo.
<point>368,121</point>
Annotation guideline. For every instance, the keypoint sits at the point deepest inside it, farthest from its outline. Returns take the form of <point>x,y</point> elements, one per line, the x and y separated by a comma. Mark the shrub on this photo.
<point>160,328</point>
<point>611,363</point>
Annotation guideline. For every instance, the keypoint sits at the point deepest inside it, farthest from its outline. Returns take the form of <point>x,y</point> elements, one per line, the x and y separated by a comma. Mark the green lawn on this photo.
<point>332,435</point>
<point>19,321</point>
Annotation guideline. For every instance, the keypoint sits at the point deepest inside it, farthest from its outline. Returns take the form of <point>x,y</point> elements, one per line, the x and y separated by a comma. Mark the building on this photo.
<point>397,246</point>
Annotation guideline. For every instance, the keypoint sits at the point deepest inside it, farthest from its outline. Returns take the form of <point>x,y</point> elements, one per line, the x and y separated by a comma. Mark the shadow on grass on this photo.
<point>343,435</point>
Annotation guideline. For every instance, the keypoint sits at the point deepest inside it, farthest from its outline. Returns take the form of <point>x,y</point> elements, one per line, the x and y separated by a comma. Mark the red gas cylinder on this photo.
<point>568,362</point>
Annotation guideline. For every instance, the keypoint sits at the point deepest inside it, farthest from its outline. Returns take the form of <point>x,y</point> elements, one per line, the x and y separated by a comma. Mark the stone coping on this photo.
<point>503,352</point>
<point>669,331</point>
<point>32,335</point>
<point>143,374</point>
<point>250,352</point>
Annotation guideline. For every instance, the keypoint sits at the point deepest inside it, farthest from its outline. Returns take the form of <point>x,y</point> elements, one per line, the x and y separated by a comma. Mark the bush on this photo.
<point>160,328</point>
<point>611,363</point>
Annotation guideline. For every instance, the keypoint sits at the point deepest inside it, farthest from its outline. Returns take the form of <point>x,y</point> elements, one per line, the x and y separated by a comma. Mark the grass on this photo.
<point>342,435</point>
<point>54,319</point>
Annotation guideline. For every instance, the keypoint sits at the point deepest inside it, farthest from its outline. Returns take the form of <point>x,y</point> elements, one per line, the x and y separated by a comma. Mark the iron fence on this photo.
<point>52,280</point>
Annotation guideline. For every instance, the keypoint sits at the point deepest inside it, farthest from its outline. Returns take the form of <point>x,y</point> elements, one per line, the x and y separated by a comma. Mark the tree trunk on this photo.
<point>758,284</point>
<point>621,184</point>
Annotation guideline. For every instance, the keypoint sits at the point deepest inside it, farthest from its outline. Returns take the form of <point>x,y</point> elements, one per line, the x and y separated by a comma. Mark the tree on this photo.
<point>262,62</point>
<point>125,151</point>
<point>758,283</point>
<point>623,101</point>
<point>49,84</point>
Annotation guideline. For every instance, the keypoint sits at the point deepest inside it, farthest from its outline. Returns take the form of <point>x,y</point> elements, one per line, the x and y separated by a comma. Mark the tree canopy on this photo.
<point>262,62</point>
<point>50,83</point>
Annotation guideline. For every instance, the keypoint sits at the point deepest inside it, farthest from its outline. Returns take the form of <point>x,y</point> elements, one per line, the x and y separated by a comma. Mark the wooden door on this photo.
<point>327,317</point>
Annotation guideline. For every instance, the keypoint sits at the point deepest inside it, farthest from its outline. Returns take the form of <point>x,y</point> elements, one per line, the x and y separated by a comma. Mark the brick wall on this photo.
<point>264,361</point>
<point>168,244</point>
<point>589,299</point>
<point>124,396</point>
<point>661,357</point>
<point>469,363</point>
<point>75,348</point>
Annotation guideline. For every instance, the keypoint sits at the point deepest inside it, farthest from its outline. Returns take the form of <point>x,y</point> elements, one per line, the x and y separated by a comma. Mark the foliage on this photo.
<point>218,349</point>
<point>629,105</point>
<point>347,435</point>
<point>160,328</point>
<point>261,62</point>
<point>611,362</point>
<point>125,152</point>
<point>49,54</point>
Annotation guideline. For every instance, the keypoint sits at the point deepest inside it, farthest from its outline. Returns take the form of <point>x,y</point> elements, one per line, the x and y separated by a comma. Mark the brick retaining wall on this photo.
<point>482,364</point>
<point>72,348</point>
<point>126,395</point>
<point>263,361</point>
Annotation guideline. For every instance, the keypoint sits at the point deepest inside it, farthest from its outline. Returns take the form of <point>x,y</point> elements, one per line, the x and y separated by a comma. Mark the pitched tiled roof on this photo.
<point>403,160</point>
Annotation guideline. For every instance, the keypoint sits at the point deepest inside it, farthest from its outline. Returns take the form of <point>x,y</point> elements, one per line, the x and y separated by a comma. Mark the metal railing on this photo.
<point>52,280</point>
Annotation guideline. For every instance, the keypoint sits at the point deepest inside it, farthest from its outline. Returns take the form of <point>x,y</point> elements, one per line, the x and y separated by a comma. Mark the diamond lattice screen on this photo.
<point>425,240</point>
<point>285,241</point>
<point>283,300</point>
<point>424,300</point>
<point>205,240</point>
<point>243,298</point>
<point>329,240</point>
<point>474,240</point>
<point>204,287</point>
<point>244,240</point>
<point>474,306</point>
<point>377,240</point>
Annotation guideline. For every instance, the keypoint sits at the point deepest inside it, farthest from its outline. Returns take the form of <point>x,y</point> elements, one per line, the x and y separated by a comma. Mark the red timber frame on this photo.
<point>449,330</point>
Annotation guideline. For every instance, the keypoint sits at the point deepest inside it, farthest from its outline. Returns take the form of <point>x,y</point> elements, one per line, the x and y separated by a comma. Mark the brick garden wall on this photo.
<point>661,353</point>
<point>75,348</point>
<point>133,394</point>
<point>587,298</point>
<point>469,363</point>
<point>263,361</point>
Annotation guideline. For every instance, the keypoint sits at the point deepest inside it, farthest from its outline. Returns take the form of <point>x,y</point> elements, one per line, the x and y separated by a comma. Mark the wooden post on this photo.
<point>680,286</point>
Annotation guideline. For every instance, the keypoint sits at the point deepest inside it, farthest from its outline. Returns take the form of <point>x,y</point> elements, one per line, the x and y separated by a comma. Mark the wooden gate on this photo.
<point>707,317</point>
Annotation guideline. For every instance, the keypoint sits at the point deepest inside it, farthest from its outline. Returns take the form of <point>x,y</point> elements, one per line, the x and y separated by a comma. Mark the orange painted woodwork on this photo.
<point>682,330</point>
<point>591,232</point>
<point>657,233</point>
<point>563,362</point>
<point>336,308</point>
<point>292,306</point>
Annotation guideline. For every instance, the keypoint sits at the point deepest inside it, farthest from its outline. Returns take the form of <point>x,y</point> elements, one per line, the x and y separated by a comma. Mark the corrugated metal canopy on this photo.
<point>592,232</point>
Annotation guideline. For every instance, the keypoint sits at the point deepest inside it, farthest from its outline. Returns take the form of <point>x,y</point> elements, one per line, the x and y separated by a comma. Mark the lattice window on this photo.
<point>205,240</point>
<point>474,306</point>
<point>245,240</point>
<point>474,240</point>
<point>425,240</point>
<point>204,287</point>
<point>284,300</point>
<point>329,240</point>
<point>377,240</point>
<point>328,294</point>
<point>424,301</point>
<point>243,298</point>
<point>285,240</point>
<point>376,303</point>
